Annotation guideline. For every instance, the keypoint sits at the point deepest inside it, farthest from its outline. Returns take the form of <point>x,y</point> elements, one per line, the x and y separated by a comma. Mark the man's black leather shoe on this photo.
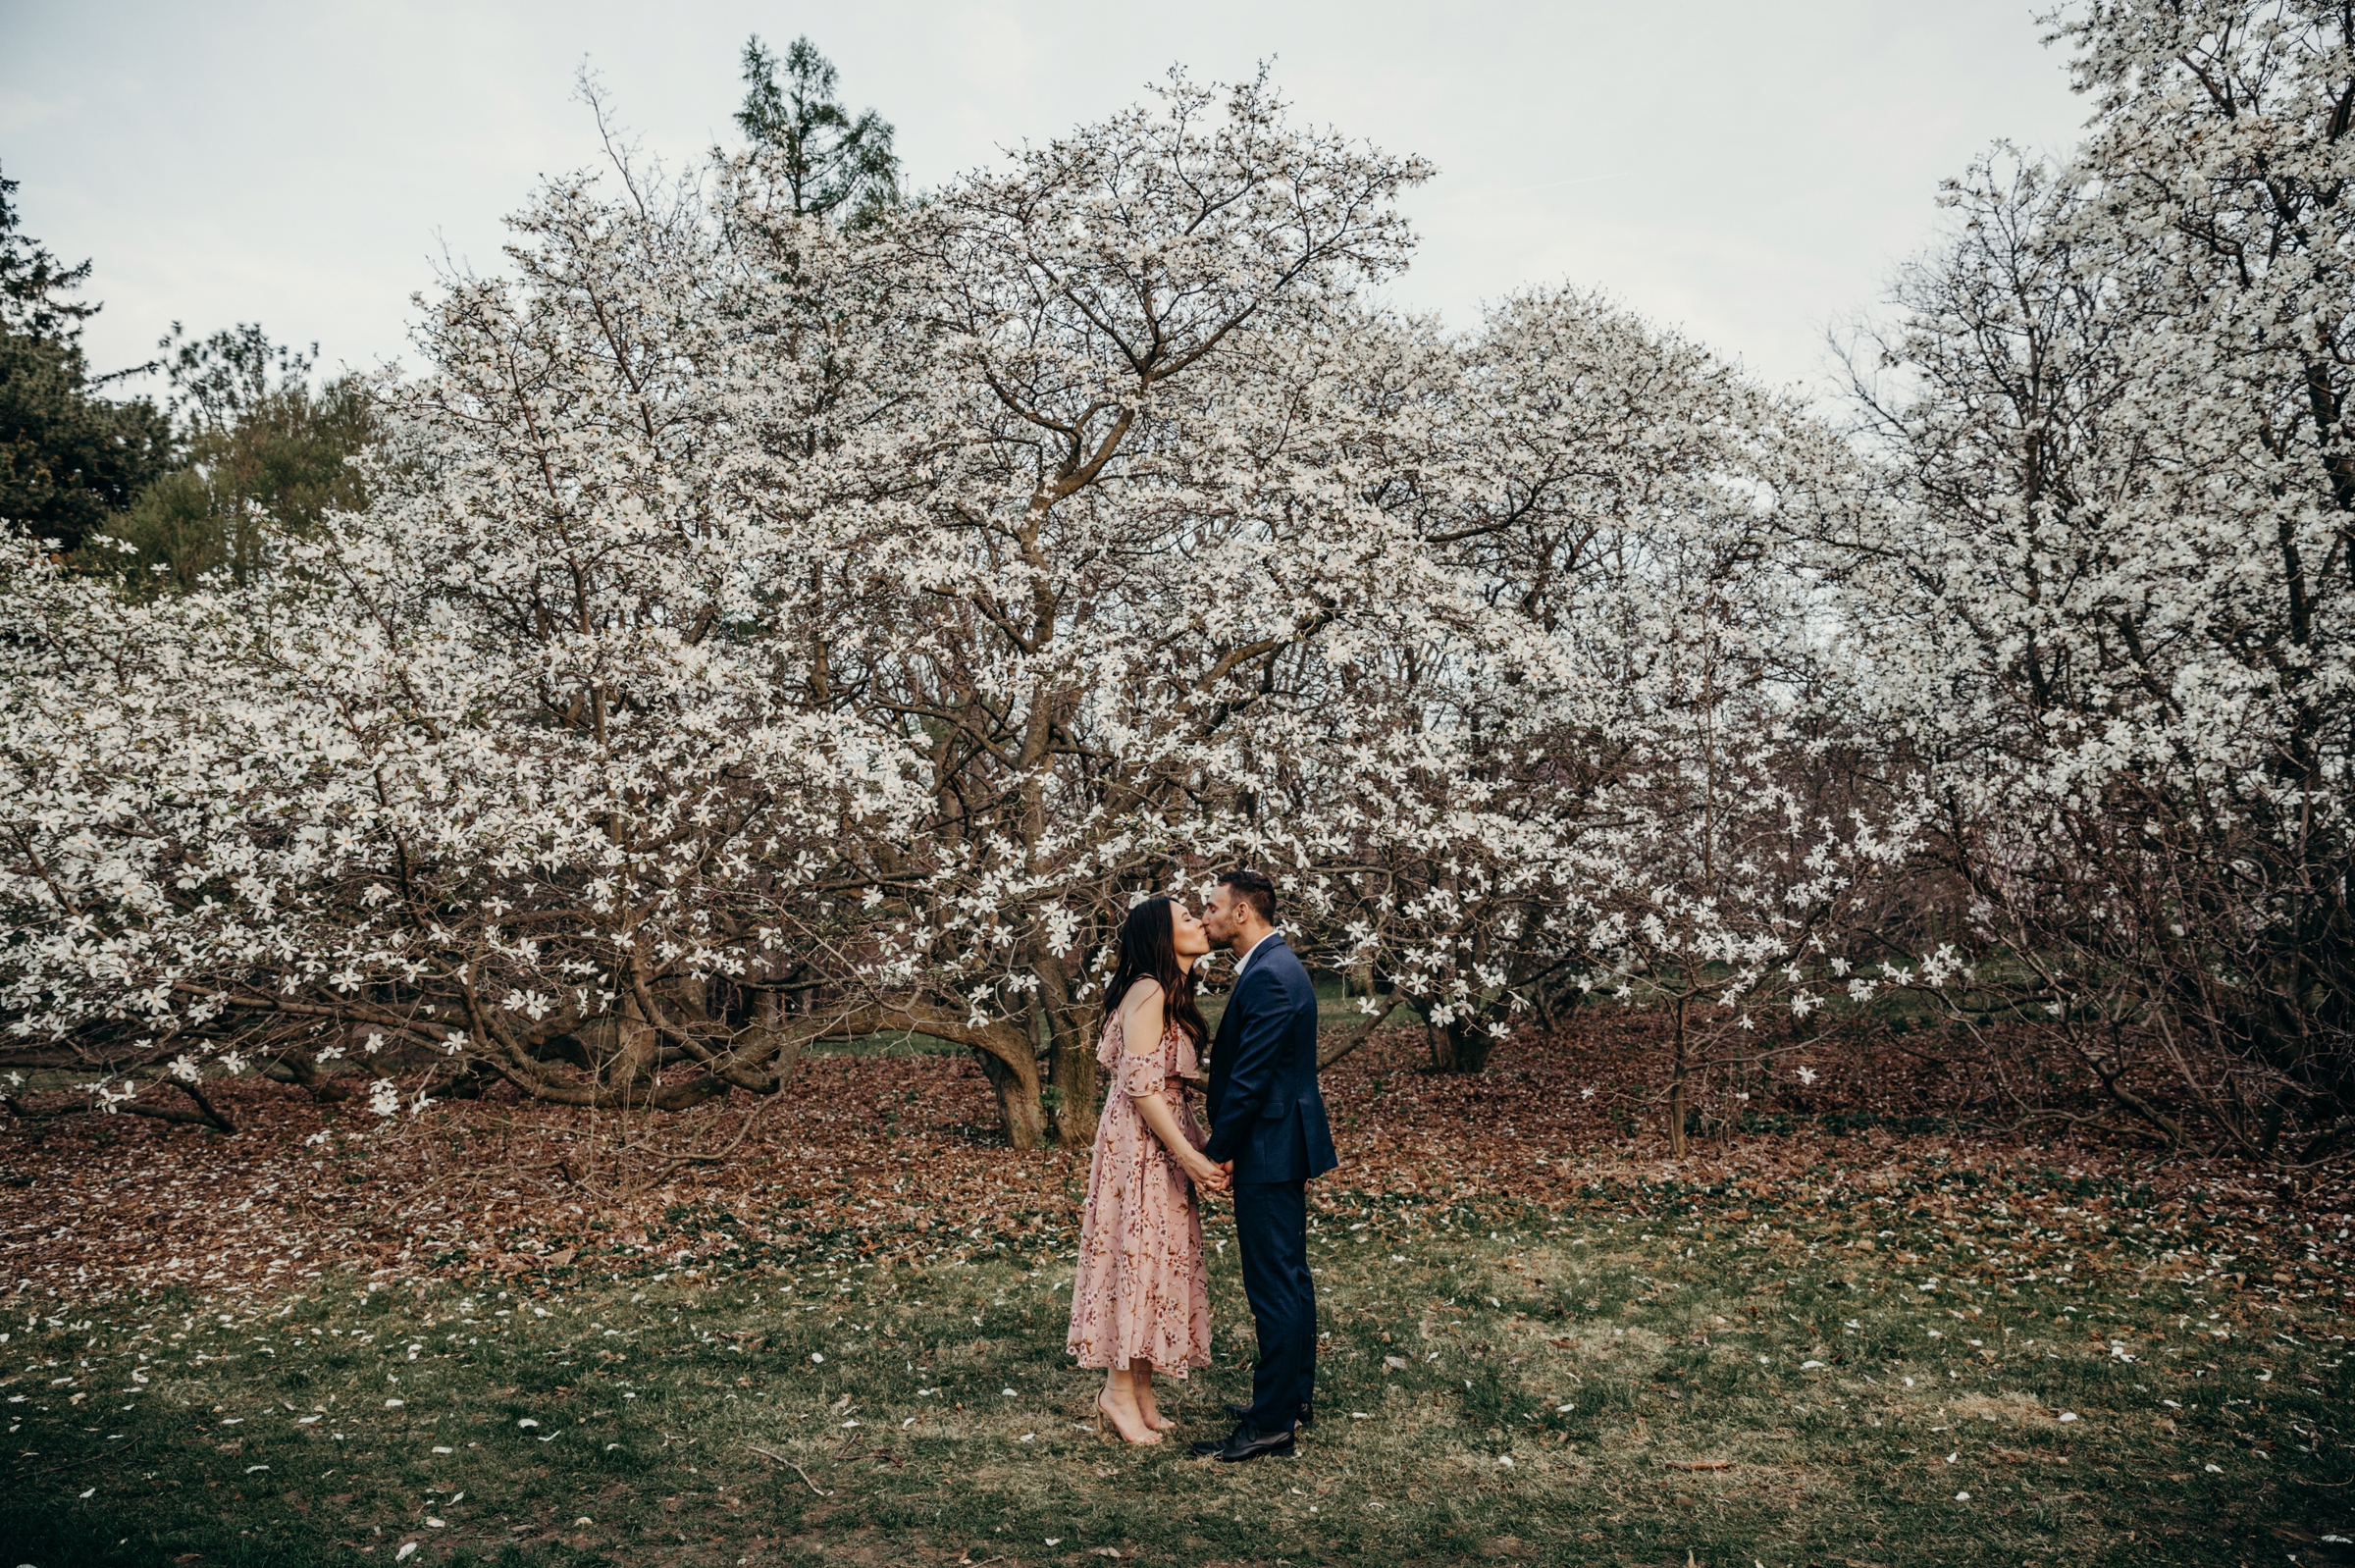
<point>1307,1417</point>
<point>1245,1442</point>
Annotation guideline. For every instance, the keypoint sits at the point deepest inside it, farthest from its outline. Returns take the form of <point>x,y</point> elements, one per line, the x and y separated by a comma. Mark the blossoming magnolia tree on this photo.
<point>2109,603</point>
<point>1144,510</point>
<point>499,768</point>
<point>766,631</point>
<point>1628,801</point>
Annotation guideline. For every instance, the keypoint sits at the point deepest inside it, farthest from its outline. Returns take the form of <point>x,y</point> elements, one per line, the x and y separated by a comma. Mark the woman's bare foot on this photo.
<point>1114,1406</point>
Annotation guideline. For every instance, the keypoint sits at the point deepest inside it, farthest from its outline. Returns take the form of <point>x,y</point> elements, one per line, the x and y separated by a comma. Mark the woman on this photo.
<point>1141,1301</point>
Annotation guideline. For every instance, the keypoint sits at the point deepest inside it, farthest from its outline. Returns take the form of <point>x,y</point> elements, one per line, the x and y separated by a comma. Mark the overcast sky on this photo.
<point>1748,170</point>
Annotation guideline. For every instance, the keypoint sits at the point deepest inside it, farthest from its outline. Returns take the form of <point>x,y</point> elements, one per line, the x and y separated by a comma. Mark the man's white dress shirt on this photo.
<point>1254,952</point>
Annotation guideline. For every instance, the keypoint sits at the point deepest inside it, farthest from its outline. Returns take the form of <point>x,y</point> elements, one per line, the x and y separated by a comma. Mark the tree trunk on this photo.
<point>1072,1057</point>
<point>770,1009</point>
<point>1678,1089</point>
<point>1016,1083</point>
<point>1462,1046</point>
<point>1075,1108</point>
<point>637,1050</point>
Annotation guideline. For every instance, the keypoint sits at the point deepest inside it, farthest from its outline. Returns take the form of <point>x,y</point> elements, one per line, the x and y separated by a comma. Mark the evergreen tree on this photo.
<point>266,455</point>
<point>69,456</point>
<point>830,162</point>
<point>37,289</point>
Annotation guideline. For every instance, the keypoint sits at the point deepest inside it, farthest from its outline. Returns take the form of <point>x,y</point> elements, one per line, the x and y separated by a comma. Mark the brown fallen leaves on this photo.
<point>897,1158</point>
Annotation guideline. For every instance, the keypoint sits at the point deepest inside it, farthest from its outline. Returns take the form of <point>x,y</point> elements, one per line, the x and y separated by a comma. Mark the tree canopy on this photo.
<point>828,160</point>
<point>754,626</point>
<point>70,456</point>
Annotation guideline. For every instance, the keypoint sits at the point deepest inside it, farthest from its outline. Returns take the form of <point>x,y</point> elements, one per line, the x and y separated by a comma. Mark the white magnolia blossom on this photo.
<point>2106,606</point>
<point>767,630</point>
<point>764,630</point>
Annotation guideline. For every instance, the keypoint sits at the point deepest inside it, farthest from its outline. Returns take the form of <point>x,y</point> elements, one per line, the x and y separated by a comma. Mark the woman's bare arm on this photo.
<point>1142,1020</point>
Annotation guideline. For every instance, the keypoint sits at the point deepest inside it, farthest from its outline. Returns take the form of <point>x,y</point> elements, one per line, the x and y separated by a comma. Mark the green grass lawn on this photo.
<point>1533,1392</point>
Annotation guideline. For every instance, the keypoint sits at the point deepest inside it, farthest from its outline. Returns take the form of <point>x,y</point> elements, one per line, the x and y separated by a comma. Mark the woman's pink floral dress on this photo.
<point>1140,1295</point>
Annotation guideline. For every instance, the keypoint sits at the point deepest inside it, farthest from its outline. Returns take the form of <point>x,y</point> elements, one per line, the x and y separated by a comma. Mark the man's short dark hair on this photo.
<point>1254,889</point>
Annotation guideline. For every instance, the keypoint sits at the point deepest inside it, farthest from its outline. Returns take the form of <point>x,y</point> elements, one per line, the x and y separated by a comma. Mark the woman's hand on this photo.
<point>1161,1122</point>
<point>1205,1177</point>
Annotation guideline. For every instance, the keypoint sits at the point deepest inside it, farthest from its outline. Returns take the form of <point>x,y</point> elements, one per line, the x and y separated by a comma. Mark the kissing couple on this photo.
<point>1141,1301</point>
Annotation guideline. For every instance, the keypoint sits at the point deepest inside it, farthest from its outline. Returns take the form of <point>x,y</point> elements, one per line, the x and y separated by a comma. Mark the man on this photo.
<point>1268,1128</point>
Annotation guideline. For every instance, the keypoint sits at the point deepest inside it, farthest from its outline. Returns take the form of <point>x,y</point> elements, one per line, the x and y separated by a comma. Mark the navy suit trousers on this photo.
<point>1270,1225</point>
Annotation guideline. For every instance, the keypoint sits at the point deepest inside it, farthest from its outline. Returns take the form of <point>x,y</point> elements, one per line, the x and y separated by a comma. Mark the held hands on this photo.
<point>1209,1178</point>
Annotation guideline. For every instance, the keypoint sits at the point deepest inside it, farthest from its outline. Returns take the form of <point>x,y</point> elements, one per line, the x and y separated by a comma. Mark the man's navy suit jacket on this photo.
<point>1266,1112</point>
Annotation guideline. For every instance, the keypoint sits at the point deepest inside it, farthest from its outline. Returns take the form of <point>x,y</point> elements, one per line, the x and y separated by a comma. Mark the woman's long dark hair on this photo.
<point>1149,951</point>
